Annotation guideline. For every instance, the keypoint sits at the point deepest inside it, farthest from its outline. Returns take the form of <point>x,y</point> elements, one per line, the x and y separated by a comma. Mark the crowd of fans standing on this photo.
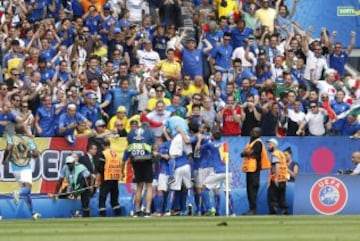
<point>89,67</point>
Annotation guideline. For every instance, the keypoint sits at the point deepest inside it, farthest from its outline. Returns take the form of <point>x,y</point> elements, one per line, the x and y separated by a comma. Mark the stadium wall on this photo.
<point>315,155</point>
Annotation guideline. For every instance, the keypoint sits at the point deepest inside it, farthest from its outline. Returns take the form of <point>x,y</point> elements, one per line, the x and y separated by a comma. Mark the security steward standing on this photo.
<point>278,178</point>
<point>140,146</point>
<point>109,174</point>
<point>255,159</point>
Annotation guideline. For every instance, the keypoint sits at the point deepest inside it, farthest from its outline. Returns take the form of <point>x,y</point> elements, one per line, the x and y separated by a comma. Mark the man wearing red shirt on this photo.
<point>230,117</point>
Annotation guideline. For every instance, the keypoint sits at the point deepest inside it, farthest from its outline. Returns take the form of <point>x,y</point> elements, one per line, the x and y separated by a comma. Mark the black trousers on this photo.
<point>277,197</point>
<point>252,188</point>
<point>85,200</point>
<point>110,186</point>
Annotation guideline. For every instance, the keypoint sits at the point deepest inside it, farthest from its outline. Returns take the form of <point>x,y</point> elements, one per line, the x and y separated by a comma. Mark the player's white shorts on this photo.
<point>203,174</point>
<point>178,146</point>
<point>23,176</point>
<point>163,182</point>
<point>182,175</point>
<point>215,179</point>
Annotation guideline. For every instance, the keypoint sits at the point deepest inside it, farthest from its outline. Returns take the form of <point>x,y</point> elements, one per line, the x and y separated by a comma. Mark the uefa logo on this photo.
<point>328,195</point>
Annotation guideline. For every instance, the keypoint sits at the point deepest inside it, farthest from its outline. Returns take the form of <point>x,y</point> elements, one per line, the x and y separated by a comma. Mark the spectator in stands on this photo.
<point>251,115</point>
<point>169,69</point>
<point>239,34</point>
<point>192,57</point>
<point>230,117</point>
<point>350,126</point>
<point>28,118</point>
<point>270,119</point>
<point>294,117</point>
<point>315,61</point>
<point>120,115</point>
<point>160,95</point>
<point>247,90</point>
<point>227,8</point>
<point>338,56</point>
<point>147,56</point>
<point>266,15</point>
<point>68,122</point>
<point>159,114</point>
<point>317,121</point>
<point>176,106</point>
<point>119,129</point>
<point>208,114</point>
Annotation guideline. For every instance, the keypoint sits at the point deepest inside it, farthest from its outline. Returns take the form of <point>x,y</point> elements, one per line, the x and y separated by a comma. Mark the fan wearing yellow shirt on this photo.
<point>120,115</point>
<point>169,68</point>
<point>187,88</point>
<point>226,7</point>
<point>266,15</point>
<point>160,95</point>
<point>200,87</point>
<point>195,100</point>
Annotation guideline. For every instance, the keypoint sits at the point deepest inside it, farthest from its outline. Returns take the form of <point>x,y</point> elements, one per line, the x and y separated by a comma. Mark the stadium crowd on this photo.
<point>95,68</point>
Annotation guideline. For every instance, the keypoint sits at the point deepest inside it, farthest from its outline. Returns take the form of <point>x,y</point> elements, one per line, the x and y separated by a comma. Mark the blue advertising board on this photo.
<point>316,156</point>
<point>327,194</point>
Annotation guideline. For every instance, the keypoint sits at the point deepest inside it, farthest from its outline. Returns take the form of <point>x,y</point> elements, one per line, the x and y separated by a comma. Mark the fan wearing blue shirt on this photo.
<point>68,121</point>
<point>92,20</point>
<point>123,96</point>
<point>240,33</point>
<point>192,57</point>
<point>221,56</point>
<point>91,111</point>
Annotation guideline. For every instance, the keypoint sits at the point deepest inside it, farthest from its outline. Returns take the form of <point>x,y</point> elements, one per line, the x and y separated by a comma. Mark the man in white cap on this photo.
<point>278,178</point>
<point>80,182</point>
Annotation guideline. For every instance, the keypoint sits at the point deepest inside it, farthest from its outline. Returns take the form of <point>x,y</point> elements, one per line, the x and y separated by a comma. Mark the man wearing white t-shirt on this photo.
<point>315,119</point>
<point>315,61</point>
<point>147,56</point>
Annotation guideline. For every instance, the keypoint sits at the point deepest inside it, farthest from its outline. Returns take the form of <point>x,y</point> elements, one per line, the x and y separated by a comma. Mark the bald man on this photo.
<point>355,158</point>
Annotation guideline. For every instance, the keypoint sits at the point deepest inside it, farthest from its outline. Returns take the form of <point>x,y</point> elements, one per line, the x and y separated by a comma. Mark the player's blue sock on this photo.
<point>217,202</point>
<point>158,202</point>
<point>28,201</point>
<point>176,200</point>
<point>198,202</point>
<point>24,191</point>
<point>205,199</point>
<point>169,200</point>
<point>183,199</point>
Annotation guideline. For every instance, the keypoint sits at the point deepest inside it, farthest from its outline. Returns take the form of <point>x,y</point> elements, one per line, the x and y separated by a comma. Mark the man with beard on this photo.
<point>278,174</point>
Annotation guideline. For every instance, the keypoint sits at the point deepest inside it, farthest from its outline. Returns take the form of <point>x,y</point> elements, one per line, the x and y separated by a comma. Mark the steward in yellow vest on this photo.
<point>277,179</point>
<point>109,173</point>
<point>255,159</point>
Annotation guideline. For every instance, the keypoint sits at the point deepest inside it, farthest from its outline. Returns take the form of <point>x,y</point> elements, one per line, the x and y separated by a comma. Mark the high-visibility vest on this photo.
<point>249,164</point>
<point>112,167</point>
<point>281,174</point>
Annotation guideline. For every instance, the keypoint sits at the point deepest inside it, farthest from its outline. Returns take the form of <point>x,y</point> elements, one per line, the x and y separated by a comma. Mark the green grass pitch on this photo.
<point>277,228</point>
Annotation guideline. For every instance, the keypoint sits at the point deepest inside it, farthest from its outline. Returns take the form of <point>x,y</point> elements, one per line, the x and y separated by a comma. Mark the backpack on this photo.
<point>20,152</point>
